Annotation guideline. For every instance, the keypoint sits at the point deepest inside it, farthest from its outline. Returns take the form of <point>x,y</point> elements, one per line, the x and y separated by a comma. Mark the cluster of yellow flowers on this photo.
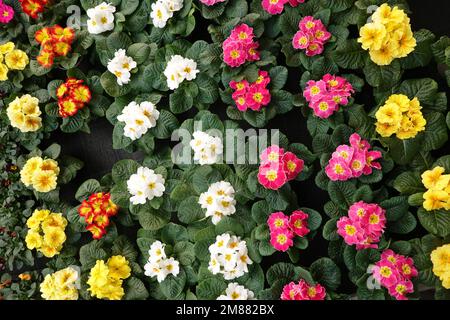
<point>46,232</point>
<point>60,285</point>
<point>438,193</point>
<point>388,36</point>
<point>11,59</point>
<point>41,174</point>
<point>441,264</point>
<point>24,113</point>
<point>105,279</point>
<point>401,116</point>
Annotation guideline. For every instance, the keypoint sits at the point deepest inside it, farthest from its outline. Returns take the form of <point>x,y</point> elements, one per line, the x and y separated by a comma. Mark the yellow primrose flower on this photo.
<point>54,237</point>
<point>54,220</point>
<point>434,180</point>
<point>389,113</point>
<point>16,60</point>
<point>48,251</point>
<point>372,36</point>
<point>384,56</point>
<point>405,44</point>
<point>388,36</point>
<point>41,214</point>
<point>33,240</point>
<point>440,257</point>
<point>3,72</point>
<point>400,116</point>
<point>435,200</point>
<point>105,280</point>
<point>6,48</point>
<point>24,112</point>
<point>29,168</point>
<point>49,165</point>
<point>402,101</point>
<point>118,267</point>
<point>33,223</point>
<point>44,181</point>
<point>60,285</point>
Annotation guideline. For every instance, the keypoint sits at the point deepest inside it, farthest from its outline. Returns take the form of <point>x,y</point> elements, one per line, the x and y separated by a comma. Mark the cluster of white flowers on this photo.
<point>158,265</point>
<point>138,118</point>
<point>101,18</point>
<point>121,66</point>
<point>218,201</point>
<point>207,149</point>
<point>145,185</point>
<point>179,69</point>
<point>235,291</point>
<point>162,10</point>
<point>229,256</point>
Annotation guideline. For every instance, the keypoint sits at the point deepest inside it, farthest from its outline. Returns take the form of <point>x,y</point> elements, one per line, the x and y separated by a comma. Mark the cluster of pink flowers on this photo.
<point>325,96</point>
<point>211,2</point>
<point>364,225</point>
<point>303,291</point>
<point>278,167</point>
<point>394,272</point>
<point>352,161</point>
<point>311,37</point>
<point>277,6</point>
<point>283,228</point>
<point>251,95</point>
<point>6,13</point>
<point>239,47</point>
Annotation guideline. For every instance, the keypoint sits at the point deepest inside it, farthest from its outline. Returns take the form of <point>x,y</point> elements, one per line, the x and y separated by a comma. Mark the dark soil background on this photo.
<point>95,149</point>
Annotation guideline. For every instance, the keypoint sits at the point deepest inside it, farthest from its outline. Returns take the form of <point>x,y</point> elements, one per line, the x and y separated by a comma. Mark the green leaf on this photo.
<point>172,286</point>
<point>382,76</point>
<point>139,52</point>
<point>341,193</point>
<point>135,289</point>
<point>278,77</point>
<point>409,183</point>
<point>180,101</point>
<point>406,224</point>
<point>86,189</point>
<point>123,169</point>
<point>210,289</point>
<point>185,253</point>
<point>350,55</point>
<point>404,151</point>
<point>326,272</point>
<point>435,131</point>
<point>436,222</point>
<point>396,207</point>
<point>329,231</point>
<point>228,224</point>
<point>151,219</point>
<point>423,89</point>
<point>190,211</point>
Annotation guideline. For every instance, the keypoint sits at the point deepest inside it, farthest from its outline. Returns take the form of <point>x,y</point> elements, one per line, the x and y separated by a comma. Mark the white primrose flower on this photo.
<point>157,251</point>
<point>160,14</point>
<point>158,265</point>
<point>138,118</point>
<point>207,149</point>
<point>174,5</point>
<point>145,185</point>
<point>162,11</point>
<point>121,65</point>
<point>179,69</point>
<point>226,257</point>
<point>235,291</point>
<point>218,201</point>
<point>101,18</point>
